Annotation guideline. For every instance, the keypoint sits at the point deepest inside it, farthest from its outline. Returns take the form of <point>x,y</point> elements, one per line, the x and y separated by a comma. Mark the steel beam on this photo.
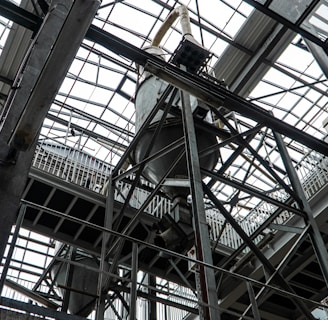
<point>168,252</point>
<point>31,308</point>
<point>108,223</point>
<point>133,289</point>
<point>19,222</point>
<point>314,232</point>
<point>320,55</point>
<point>291,25</point>
<point>70,24</point>
<point>207,91</point>
<point>68,279</point>
<point>268,267</point>
<point>262,292</point>
<point>203,246</point>
<point>13,166</point>
<point>252,298</point>
<point>161,103</point>
<point>203,89</point>
<point>20,15</point>
<point>31,295</point>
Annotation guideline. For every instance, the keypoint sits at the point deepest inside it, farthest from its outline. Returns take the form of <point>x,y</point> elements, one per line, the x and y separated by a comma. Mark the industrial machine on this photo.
<point>191,56</point>
<point>175,230</point>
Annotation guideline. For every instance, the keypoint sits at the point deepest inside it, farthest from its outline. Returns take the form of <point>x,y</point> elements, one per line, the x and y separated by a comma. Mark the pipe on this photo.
<point>181,11</point>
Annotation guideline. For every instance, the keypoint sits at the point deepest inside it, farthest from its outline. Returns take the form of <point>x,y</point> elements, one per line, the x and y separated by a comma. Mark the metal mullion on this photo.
<point>290,90</point>
<point>86,132</point>
<point>97,120</point>
<point>296,27</point>
<point>97,104</point>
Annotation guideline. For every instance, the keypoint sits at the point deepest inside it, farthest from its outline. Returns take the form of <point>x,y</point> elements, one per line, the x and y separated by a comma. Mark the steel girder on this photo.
<point>208,91</point>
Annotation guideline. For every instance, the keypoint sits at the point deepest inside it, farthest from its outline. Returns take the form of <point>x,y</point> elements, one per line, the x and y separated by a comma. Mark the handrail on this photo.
<point>78,167</point>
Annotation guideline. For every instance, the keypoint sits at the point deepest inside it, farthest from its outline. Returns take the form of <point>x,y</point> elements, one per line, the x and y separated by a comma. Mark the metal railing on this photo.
<point>76,166</point>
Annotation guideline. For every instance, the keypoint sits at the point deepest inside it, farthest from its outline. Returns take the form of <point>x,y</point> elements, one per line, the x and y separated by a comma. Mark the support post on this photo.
<point>255,309</point>
<point>314,232</point>
<point>69,279</point>
<point>50,57</point>
<point>19,222</point>
<point>108,222</point>
<point>152,293</point>
<point>133,289</point>
<point>203,248</point>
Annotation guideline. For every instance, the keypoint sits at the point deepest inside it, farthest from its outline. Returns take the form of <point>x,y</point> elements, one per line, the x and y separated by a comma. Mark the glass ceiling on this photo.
<point>94,109</point>
<point>98,92</point>
<point>97,95</point>
<point>103,85</point>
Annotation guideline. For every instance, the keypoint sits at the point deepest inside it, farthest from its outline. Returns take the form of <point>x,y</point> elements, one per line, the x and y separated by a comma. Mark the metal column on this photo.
<point>152,303</point>
<point>314,232</point>
<point>19,222</point>
<point>203,248</point>
<point>133,289</point>
<point>50,57</point>
<point>108,222</point>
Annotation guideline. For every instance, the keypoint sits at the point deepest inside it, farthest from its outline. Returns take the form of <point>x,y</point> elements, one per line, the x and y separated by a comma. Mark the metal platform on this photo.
<point>53,204</point>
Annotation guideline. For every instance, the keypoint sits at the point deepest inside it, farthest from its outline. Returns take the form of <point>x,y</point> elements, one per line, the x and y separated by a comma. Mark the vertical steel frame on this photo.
<point>203,247</point>
<point>108,222</point>
<point>314,232</point>
<point>19,222</point>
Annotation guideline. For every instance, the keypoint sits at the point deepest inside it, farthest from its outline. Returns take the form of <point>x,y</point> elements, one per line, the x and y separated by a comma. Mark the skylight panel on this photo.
<point>291,10</point>
<point>296,58</point>
<point>219,14</point>
<point>316,23</point>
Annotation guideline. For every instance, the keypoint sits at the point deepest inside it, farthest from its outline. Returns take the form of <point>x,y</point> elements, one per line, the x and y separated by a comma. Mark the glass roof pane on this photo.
<point>291,10</point>
<point>316,22</point>
<point>94,110</point>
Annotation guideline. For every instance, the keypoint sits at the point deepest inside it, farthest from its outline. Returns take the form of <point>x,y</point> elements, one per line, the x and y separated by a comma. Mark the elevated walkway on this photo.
<point>60,206</point>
